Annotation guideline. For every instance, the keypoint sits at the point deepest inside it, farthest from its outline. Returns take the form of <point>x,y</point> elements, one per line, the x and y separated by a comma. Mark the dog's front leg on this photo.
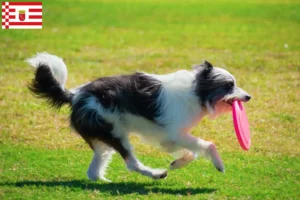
<point>205,148</point>
<point>171,147</point>
<point>187,157</point>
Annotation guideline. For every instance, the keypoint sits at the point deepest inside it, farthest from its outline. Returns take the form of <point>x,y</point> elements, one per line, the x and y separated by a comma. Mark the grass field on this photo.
<point>257,41</point>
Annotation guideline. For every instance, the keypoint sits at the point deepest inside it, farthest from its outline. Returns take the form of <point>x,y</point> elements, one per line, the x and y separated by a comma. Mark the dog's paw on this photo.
<point>221,169</point>
<point>174,165</point>
<point>219,165</point>
<point>93,176</point>
<point>102,178</point>
<point>159,174</point>
<point>183,161</point>
<point>215,158</point>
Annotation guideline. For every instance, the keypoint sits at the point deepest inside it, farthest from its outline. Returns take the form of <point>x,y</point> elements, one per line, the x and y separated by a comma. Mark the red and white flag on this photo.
<point>21,15</point>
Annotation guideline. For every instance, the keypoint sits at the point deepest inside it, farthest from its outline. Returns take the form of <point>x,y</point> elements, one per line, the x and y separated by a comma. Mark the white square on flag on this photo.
<point>21,15</point>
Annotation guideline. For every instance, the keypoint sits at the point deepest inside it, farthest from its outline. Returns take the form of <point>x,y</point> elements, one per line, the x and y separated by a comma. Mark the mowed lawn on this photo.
<point>257,41</point>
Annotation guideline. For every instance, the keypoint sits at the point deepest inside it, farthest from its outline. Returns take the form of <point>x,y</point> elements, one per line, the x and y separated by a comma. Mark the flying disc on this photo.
<point>241,125</point>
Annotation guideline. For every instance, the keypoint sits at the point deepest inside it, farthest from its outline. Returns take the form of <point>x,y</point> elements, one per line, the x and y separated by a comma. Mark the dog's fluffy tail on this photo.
<point>50,78</point>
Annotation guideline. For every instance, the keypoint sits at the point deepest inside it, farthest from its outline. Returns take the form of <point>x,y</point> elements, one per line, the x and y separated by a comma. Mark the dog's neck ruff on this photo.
<point>178,104</point>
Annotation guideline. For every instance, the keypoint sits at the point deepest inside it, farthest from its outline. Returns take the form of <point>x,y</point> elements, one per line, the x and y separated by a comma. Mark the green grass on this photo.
<point>41,158</point>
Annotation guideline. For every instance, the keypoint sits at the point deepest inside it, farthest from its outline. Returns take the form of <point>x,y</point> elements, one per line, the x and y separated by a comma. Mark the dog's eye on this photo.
<point>230,84</point>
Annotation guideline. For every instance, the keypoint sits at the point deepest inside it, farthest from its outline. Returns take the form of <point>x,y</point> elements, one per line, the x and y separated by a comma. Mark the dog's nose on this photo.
<point>247,98</point>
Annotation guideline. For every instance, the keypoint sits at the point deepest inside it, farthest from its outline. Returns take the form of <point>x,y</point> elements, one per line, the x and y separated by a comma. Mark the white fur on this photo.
<point>179,106</point>
<point>123,124</point>
<point>100,161</point>
<point>133,164</point>
<point>57,65</point>
<point>180,110</point>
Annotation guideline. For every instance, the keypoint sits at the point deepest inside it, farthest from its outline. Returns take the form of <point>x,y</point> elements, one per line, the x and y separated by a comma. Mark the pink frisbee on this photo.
<point>241,125</point>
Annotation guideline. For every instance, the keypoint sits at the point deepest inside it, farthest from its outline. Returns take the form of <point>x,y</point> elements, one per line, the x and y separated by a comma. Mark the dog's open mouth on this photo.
<point>228,101</point>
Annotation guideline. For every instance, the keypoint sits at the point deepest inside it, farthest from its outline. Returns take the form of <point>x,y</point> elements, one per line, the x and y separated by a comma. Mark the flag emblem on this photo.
<point>21,15</point>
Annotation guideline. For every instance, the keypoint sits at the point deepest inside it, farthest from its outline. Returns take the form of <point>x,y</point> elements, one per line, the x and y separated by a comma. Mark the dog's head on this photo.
<point>217,88</point>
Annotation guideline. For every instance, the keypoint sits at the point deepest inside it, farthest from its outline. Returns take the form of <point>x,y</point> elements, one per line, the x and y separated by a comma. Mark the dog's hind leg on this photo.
<point>187,157</point>
<point>133,164</point>
<point>121,144</point>
<point>205,148</point>
<point>100,161</point>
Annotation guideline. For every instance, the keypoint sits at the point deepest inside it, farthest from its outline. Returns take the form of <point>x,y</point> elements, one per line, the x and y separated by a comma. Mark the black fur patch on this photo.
<point>136,93</point>
<point>211,86</point>
<point>90,125</point>
<point>206,65</point>
<point>44,85</point>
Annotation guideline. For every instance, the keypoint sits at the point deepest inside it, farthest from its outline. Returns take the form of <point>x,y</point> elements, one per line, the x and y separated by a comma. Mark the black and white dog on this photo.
<point>161,108</point>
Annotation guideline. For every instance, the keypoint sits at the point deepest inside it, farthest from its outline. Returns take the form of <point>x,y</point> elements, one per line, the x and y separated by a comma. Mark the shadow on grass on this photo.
<point>113,188</point>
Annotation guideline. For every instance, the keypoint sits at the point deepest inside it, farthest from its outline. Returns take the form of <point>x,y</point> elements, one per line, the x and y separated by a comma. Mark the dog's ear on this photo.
<point>205,65</point>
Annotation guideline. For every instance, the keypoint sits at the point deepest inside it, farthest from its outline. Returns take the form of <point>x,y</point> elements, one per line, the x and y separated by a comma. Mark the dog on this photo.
<point>160,108</point>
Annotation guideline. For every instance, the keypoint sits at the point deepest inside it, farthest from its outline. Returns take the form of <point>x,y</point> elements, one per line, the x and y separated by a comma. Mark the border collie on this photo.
<point>160,108</point>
